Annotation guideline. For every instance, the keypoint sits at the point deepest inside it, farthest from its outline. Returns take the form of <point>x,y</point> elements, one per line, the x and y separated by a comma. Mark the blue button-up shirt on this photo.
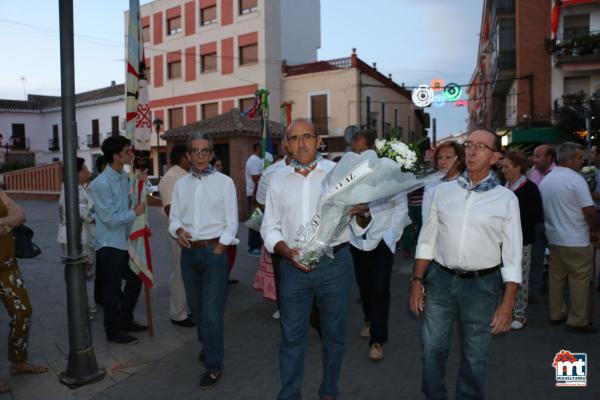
<point>110,192</point>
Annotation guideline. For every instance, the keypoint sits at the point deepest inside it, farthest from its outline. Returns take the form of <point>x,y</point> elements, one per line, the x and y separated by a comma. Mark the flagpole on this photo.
<point>139,131</point>
<point>82,368</point>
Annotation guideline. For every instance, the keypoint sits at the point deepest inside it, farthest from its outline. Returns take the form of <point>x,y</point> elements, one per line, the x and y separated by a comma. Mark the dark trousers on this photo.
<point>255,241</point>
<point>98,283</point>
<point>373,270</point>
<point>118,304</point>
<point>536,271</point>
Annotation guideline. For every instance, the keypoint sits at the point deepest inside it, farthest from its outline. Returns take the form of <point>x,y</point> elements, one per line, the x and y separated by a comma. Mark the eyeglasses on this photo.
<point>478,146</point>
<point>303,137</point>
<point>205,152</point>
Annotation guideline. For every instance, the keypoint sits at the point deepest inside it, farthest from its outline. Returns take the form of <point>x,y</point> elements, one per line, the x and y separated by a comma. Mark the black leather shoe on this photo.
<point>186,323</point>
<point>557,321</point>
<point>122,338</point>
<point>589,328</point>
<point>209,379</point>
<point>135,327</point>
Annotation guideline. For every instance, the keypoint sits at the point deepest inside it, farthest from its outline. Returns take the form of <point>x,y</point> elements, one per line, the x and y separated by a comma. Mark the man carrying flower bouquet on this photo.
<point>291,202</point>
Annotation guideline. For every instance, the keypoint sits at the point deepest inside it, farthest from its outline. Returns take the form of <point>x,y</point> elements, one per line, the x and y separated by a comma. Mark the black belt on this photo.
<point>469,274</point>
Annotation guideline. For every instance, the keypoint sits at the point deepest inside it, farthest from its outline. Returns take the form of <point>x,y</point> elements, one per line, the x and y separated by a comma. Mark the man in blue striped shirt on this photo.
<point>110,193</point>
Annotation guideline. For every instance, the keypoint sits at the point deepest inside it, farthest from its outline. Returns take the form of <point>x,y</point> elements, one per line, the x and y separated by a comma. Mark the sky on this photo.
<point>414,40</point>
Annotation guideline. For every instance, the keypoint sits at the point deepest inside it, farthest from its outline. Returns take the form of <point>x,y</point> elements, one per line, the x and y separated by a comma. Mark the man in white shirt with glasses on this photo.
<point>467,267</point>
<point>204,220</point>
<point>292,200</point>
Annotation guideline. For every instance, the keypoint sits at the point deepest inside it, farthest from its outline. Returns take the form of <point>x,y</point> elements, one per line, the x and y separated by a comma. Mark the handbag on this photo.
<point>24,246</point>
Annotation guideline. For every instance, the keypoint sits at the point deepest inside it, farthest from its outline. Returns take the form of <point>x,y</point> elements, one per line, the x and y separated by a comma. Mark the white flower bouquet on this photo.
<point>356,179</point>
<point>398,151</point>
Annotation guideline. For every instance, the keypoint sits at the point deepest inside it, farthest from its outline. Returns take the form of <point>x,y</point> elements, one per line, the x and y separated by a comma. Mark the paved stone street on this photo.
<point>165,366</point>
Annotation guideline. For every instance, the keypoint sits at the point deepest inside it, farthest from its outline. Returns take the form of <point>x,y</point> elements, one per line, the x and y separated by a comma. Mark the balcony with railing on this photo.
<point>93,140</point>
<point>20,144</point>
<point>576,48</point>
<point>53,145</point>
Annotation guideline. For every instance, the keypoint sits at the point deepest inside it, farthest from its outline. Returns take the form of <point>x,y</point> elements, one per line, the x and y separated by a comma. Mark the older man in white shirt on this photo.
<point>373,256</point>
<point>292,200</point>
<point>204,219</point>
<point>570,217</point>
<point>472,230</point>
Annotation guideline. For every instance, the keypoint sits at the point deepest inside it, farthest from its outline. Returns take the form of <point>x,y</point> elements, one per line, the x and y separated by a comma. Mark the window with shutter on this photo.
<point>249,54</point>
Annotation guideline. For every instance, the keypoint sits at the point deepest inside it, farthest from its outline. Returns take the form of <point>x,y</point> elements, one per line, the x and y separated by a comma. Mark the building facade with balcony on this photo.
<point>32,129</point>
<point>510,86</point>
<point>205,57</point>
<point>575,49</point>
<point>337,93</point>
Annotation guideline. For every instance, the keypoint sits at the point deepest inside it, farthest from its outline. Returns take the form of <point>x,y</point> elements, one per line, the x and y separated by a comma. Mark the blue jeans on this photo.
<point>471,301</point>
<point>330,283</point>
<point>204,275</point>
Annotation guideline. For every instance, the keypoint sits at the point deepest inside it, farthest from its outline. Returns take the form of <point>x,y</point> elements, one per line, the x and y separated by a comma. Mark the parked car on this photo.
<point>152,184</point>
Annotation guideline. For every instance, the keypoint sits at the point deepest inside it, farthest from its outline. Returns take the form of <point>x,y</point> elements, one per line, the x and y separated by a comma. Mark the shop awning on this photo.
<point>550,135</point>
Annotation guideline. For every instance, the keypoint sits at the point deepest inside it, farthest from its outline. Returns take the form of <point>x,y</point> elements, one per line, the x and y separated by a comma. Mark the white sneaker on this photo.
<point>516,325</point>
<point>276,314</point>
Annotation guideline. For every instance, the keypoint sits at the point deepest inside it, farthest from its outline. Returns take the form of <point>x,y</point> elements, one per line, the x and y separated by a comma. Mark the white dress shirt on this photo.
<point>207,208</point>
<point>254,166</point>
<point>265,180</point>
<point>292,201</point>
<point>389,217</point>
<point>470,231</point>
<point>564,193</point>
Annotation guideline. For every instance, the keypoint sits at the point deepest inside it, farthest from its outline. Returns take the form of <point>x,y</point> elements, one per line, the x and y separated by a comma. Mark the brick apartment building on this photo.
<point>510,86</point>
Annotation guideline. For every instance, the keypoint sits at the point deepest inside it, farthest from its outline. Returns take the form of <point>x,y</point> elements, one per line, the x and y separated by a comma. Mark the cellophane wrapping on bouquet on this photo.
<point>356,179</point>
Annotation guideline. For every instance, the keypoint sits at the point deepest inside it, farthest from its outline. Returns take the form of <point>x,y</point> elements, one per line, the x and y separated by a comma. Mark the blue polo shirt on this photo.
<point>110,192</point>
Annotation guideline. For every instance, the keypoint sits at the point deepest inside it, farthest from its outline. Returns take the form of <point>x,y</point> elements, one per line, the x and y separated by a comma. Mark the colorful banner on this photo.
<point>139,131</point>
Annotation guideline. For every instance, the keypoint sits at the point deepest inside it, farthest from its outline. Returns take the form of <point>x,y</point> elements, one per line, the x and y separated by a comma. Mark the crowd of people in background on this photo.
<point>496,232</point>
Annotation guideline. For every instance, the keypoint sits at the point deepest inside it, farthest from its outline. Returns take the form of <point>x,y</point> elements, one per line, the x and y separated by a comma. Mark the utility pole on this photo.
<point>82,368</point>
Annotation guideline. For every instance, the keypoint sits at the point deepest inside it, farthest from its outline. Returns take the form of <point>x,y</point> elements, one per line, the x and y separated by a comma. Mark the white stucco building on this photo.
<point>32,128</point>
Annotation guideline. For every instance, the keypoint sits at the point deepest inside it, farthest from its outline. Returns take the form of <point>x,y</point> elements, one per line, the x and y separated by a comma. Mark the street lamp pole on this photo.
<point>157,124</point>
<point>82,366</point>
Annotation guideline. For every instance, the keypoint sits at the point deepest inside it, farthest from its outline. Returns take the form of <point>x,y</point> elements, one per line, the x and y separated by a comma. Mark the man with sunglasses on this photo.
<point>467,267</point>
<point>204,220</point>
<point>292,200</point>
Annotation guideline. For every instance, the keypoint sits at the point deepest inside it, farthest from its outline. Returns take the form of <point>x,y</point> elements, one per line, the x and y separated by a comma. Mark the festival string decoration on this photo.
<point>439,101</point>
<point>452,92</point>
<point>422,96</point>
<point>437,85</point>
